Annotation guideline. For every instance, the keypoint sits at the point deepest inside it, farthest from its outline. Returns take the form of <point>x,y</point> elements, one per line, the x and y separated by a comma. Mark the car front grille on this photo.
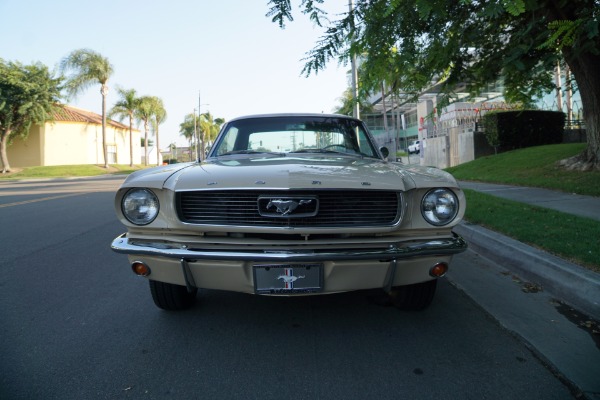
<point>335,208</point>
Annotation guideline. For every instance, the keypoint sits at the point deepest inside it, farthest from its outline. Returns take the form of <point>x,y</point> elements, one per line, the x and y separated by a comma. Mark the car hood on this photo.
<point>291,172</point>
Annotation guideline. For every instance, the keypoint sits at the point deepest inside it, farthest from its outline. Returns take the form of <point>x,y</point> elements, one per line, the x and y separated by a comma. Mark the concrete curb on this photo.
<point>569,282</point>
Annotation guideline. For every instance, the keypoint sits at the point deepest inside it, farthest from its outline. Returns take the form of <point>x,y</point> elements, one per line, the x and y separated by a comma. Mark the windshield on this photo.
<point>294,135</point>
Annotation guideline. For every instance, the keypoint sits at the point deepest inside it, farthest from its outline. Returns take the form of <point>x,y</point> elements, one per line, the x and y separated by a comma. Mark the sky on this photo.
<point>225,56</point>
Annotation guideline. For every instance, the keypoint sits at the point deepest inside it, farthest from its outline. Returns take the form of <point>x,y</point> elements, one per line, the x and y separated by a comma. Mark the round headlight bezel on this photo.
<point>131,206</point>
<point>434,206</point>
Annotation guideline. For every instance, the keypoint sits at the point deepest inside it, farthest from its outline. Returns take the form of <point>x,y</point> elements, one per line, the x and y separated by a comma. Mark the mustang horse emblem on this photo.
<point>286,207</point>
<point>288,278</point>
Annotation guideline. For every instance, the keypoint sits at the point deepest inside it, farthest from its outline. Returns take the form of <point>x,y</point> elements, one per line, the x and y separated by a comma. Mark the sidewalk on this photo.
<point>572,283</point>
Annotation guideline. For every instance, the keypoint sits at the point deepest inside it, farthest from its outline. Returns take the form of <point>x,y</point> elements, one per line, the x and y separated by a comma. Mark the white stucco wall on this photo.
<point>66,143</point>
<point>72,143</point>
<point>25,152</point>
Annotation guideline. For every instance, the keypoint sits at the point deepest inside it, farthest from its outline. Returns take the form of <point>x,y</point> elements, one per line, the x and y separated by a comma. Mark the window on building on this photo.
<point>112,154</point>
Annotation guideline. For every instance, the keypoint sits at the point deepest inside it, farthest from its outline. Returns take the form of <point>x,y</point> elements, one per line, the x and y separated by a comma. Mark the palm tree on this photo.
<point>209,128</point>
<point>124,108</point>
<point>186,129</point>
<point>87,68</point>
<point>144,113</point>
<point>159,116</point>
<point>173,149</point>
<point>150,111</point>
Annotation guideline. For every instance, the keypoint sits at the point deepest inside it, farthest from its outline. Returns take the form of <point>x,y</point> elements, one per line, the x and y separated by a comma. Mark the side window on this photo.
<point>228,143</point>
<point>364,143</point>
<point>112,154</point>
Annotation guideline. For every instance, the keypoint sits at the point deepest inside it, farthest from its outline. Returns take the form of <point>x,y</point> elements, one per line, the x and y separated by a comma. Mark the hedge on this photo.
<point>510,130</point>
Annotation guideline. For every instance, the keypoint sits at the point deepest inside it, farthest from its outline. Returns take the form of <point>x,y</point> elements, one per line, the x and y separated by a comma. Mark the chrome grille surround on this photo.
<point>336,208</point>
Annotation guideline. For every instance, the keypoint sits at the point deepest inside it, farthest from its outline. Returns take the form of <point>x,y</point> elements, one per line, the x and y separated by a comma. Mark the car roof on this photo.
<point>279,115</point>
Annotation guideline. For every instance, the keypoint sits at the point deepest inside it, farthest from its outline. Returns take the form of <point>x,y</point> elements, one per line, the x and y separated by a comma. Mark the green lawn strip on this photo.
<point>534,166</point>
<point>570,237</point>
<point>66,171</point>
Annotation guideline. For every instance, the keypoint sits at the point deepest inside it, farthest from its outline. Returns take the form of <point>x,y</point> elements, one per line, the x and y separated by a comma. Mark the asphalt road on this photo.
<point>75,323</point>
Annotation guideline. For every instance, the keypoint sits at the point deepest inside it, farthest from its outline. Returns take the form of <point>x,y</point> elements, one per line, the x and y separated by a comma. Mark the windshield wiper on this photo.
<point>327,151</point>
<point>316,151</point>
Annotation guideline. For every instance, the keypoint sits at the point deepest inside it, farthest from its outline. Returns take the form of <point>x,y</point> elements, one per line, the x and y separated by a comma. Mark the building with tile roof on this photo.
<point>74,138</point>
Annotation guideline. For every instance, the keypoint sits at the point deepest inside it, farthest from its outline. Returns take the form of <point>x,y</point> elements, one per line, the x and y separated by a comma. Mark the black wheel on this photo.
<point>172,297</point>
<point>413,297</point>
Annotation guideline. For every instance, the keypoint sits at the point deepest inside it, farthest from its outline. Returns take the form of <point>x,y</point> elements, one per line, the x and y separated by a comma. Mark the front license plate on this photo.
<point>288,278</point>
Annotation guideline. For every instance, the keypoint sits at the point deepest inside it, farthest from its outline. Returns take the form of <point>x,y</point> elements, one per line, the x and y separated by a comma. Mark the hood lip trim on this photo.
<point>286,189</point>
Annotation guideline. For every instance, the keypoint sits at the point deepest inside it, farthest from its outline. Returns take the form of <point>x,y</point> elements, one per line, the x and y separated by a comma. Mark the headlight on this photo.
<point>439,206</point>
<point>140,206</point>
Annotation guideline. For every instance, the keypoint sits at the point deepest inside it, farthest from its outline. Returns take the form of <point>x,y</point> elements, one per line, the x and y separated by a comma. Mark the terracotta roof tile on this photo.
<point>71,114</point>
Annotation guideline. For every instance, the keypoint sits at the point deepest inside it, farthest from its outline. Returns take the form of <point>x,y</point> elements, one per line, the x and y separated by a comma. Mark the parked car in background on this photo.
<point>414,147</point>
<point>290,205</point>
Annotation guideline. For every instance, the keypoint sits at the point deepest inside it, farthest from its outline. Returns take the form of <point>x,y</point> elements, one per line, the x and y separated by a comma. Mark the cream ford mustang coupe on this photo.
<point>291,204</point>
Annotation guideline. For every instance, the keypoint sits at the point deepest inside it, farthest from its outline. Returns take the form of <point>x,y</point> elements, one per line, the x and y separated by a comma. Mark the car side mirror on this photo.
<point>384,151</point>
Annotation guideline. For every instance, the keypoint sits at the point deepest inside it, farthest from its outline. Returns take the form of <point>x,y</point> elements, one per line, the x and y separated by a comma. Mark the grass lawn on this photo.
<point>573,238</point>
<point>534,166</point>
<point>66,171</point>
<point>570,237</point>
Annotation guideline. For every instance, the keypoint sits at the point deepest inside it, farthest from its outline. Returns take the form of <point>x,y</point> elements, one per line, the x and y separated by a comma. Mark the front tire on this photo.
<point>413,297</point>
<point>172,297</point>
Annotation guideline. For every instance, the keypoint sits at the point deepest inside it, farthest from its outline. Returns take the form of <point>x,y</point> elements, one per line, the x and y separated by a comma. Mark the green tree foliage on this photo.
<point>186,128</point>
<point>209,128</point>
<point>87,68</point>
<point>150,109</point>
<point>125,107</point>
<point>28,95</point>
<point>206,124</point>
<point>347,104</point>
<point>158,117</point>
<point>414,43</point>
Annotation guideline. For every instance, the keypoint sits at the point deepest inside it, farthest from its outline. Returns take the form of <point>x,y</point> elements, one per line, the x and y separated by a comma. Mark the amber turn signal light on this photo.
<point>438,270</point>
<point>139,268</point>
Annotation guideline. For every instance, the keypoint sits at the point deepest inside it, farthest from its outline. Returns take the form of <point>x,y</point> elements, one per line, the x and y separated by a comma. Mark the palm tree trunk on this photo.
<point>203,149</point>
<point>130,140</point>
<point>104,92</point>
<point>146,143</point>
<point>157,147</point>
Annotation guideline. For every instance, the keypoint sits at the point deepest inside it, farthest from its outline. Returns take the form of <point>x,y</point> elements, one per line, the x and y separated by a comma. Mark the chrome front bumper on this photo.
<point>438,247</point>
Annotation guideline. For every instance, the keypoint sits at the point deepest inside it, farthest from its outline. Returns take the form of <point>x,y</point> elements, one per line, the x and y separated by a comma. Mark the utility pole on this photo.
<point>196,136</point>
<point>199,148</point>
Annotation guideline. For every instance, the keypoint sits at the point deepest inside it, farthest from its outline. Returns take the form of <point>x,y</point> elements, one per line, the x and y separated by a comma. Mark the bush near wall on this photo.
<point>510,130</point>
